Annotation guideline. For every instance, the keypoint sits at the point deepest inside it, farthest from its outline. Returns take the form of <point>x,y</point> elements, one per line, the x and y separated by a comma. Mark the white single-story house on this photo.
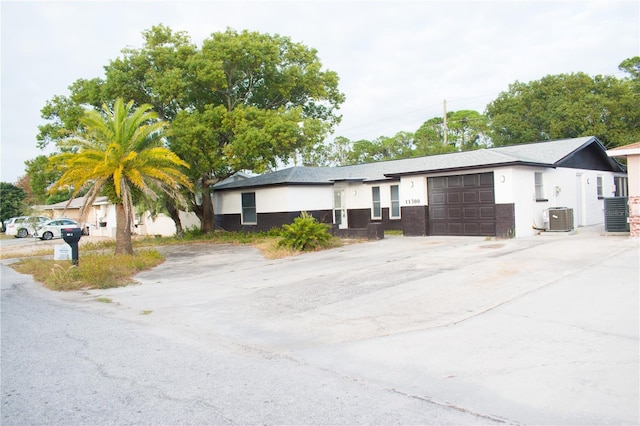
<point>101,218</point>
<point>503,192</point>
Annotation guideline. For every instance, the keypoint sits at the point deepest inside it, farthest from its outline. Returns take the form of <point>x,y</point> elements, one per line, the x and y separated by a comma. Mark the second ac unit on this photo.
<point>560,219</point>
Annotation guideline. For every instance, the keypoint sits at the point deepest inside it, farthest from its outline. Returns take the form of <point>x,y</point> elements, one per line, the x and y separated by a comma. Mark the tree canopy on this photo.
<point>465,130</point>
<point>243,101</point>
<point>118,151</point>
<point>567,106</point>
<point>12,201</point>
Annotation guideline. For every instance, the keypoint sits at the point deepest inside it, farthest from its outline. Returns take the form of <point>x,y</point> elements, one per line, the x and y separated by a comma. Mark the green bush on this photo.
<point>305,233</point>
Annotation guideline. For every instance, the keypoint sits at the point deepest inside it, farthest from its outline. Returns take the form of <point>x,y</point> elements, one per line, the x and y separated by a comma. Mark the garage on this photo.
<point>462,205</point>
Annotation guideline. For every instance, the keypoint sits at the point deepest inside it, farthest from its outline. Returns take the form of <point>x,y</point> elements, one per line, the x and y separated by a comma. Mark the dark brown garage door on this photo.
<point>462,205</point>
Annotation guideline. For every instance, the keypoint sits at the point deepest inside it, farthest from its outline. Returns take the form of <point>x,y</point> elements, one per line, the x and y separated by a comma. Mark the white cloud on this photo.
<point>397,60</point>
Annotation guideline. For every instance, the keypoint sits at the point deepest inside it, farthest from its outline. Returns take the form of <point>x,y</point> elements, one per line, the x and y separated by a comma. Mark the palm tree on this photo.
<point>119,153</point>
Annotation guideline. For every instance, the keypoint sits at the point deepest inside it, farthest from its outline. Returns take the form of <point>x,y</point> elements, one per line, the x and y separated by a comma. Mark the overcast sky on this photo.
<point>397,61</point>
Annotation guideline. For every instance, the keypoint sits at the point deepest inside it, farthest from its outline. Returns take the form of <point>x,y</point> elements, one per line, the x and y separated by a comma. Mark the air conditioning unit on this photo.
<point>616,214</point>
<point>560,219</point>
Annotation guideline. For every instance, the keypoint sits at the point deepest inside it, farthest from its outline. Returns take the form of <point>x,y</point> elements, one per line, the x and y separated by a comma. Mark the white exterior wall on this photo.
<point>518,189</point>
<point>572,188</point>
<point>413,191</point>
<point>360,196</point>
<point>105,213</point>
<point>293,198</point>
<point>164,225</point>
<point>575,189</point>
<point>277,199</point>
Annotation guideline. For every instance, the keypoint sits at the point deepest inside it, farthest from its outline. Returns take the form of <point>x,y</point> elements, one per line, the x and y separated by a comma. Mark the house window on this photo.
<point>599,187</point>
<point>540,187</point>
<point>249,215</point>
<point>376,209</point>
<point>622,186</point>
<point>395,202</point>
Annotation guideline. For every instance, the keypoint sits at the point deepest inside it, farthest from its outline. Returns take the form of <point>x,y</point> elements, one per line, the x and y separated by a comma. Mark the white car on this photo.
<point>23,226</point>
<point>53,228</point>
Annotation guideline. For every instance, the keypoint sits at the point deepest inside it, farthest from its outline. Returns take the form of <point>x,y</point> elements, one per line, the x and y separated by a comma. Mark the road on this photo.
<point>400,331</point>
<point>64,364</point>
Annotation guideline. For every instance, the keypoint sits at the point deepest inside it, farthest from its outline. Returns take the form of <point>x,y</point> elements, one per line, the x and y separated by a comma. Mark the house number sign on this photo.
<point>412,201</point>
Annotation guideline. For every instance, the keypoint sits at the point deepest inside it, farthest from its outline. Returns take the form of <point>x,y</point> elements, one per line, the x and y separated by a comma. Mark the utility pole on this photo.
<point>444,109</point>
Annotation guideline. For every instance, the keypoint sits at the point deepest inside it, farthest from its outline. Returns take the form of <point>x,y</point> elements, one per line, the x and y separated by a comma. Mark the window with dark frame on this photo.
<point>599,188</point>
<point>622,186</point>
<point>249,214</point>
<point>376,208</point>
<point>395,202</point>
<point>539,187</point>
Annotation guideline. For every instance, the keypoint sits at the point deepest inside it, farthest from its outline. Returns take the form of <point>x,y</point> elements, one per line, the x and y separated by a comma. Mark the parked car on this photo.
<point>53,228</point>
<point>23,226</point>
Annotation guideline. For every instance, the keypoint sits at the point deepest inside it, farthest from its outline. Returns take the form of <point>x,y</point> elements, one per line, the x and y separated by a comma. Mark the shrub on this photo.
<point>305,233</point>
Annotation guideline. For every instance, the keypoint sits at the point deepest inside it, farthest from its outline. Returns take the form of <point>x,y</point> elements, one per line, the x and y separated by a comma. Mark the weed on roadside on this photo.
<point>94,271</point>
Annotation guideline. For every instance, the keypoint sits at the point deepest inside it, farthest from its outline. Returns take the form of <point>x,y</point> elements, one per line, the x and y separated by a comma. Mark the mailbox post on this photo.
<point>71,236</point>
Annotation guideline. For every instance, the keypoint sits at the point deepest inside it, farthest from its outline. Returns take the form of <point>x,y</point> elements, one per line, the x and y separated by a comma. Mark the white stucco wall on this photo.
<point>360,195</point>
<point>413,191</point>
<point>277,199</point>
<point>164,225</point>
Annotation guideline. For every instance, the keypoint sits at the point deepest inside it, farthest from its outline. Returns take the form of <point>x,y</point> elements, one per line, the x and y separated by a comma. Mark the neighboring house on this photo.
<point>101,218</point>
<point>632,154</point>
<point>501,192</point>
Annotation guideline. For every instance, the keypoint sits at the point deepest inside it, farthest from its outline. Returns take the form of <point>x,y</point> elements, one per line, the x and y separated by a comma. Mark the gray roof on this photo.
<point>75,203</point>
<point>544,154</point>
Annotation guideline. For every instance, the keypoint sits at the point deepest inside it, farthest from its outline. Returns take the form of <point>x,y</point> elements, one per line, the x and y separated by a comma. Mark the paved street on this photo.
<point>540,330</point>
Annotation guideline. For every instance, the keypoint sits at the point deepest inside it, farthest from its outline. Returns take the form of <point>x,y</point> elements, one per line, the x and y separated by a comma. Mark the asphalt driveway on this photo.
<point>537,330</point>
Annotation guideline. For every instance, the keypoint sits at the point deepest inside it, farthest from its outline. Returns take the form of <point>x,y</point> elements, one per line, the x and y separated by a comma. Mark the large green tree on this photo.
<point>257,100</point>
<point>567,106</point>
<point>467,130</point>
<point>242,101</point>
<point>11,201</point>
<point>40,177</point>
<point>119,151</point>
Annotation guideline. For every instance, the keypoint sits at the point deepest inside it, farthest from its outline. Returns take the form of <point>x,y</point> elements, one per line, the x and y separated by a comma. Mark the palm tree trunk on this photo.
<point>123,231</point>
<point>207,220</point>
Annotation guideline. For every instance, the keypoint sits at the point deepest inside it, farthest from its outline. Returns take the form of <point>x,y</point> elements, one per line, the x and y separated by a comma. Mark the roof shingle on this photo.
<point>546,154</point>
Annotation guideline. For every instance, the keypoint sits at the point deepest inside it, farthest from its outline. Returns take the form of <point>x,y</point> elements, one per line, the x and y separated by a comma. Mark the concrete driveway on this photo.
<point>536,330</point>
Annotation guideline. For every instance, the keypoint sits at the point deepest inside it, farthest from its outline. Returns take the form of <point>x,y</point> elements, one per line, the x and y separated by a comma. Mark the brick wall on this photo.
<point>415,221</point>
<point>505,220</point>
<point>634,216</point>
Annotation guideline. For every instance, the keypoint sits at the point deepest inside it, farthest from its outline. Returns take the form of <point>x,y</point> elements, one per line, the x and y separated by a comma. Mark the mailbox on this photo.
<point>71,236</point>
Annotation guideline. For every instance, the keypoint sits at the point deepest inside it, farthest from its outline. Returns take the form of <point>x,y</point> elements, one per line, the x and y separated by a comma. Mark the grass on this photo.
<point>99,268</point>
<point>94,271</point>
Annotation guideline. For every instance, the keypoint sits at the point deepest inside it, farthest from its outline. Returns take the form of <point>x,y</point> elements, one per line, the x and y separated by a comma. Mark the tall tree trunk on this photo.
<point>207,219</point>
<point>123,231</point>
<point>174,213</point>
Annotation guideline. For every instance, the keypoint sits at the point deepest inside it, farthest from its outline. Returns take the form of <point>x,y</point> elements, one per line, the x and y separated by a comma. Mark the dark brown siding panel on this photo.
<point>415,220</point>
<point>505,220</point>
<point>228,222</point>
<point>359,218</point>
<point>267,221</point>
<point>390,224</point>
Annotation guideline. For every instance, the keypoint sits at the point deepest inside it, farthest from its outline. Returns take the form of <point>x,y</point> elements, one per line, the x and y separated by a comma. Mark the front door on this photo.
<point>579,201</point>
<point>339,209</point>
